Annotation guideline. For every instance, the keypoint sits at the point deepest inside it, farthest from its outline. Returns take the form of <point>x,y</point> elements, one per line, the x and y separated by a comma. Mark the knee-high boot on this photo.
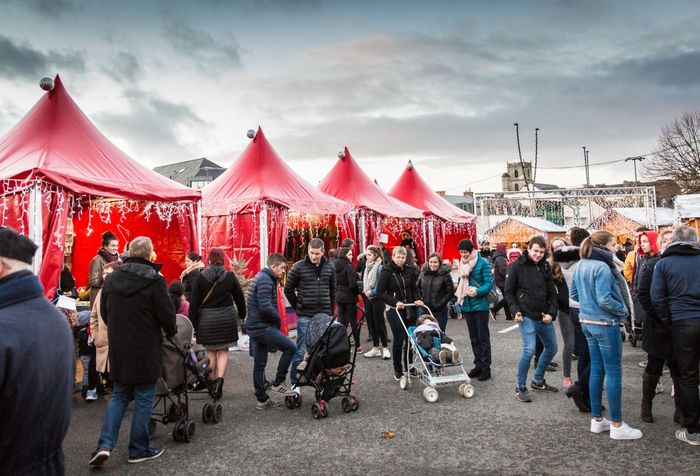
<point>649,382</point>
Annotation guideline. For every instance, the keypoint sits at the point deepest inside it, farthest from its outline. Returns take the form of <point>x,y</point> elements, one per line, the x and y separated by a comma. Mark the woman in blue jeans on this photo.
<point>601,292</point>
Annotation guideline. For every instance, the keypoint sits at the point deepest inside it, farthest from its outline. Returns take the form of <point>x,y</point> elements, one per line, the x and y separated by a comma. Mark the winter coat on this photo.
<point>37,374</point>
<point>436,287</point>
<point>262,303</point>
<point>482,279</point>
<point>656,338</point>
<point>530,288</point>
<point>500,264</point>
<point>137,309</point>
<point>675,287</point>
<point>568,257</point>
<point>188,279</point>
<point>597,289</point>
<point>215,320</point>
<point>398,284</point>
<point>95,280</point>
<point>346,282</point>
<point>426,333</point>
<point>310,289</point>
<point>98,329</point>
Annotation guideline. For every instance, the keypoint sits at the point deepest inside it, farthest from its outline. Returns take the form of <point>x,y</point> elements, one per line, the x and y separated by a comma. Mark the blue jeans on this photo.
<point>302,322</point>
<point>442,320</point>
<point>530,329</point>
<point>263,340</point>
<point>605,348</point>
<point>143,396</point>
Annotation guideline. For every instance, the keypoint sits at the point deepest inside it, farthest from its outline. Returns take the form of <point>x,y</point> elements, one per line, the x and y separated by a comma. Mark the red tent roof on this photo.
<point>412,189</point>
<point>56,142</point>
<point>349,182</point>
<point>259,174</point>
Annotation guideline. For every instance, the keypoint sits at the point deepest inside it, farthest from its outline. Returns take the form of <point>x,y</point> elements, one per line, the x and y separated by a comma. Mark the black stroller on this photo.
<point>182,371</point>
<point>329,368</point>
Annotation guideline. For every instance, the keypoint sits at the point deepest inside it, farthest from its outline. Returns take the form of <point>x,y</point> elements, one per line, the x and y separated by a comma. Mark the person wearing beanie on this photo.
<point>37,358</point>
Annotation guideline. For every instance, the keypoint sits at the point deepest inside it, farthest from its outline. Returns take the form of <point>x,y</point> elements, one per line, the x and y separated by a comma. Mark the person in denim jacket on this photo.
<point>601,292</point>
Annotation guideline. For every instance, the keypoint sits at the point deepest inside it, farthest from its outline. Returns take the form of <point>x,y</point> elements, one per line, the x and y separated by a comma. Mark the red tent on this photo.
<point>246,208</point>
<point>453,224</point>
<point>347,181</point>
<point>60,172</point>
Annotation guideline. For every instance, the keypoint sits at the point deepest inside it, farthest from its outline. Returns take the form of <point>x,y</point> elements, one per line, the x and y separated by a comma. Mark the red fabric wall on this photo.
<point>54,218</point>
<point>171,243</point>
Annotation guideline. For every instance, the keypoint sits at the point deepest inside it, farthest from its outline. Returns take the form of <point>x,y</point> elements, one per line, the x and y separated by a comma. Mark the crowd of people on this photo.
<point>579,281</point>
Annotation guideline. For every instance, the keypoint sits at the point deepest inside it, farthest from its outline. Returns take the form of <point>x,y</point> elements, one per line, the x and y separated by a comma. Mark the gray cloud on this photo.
<point>154,125</point>
<point>19,60</point>
<point>208,53</point>
<point>675,70</point>
<point>124,67</point>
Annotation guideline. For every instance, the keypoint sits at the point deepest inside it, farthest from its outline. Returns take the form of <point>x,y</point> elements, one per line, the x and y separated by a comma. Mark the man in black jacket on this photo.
<point>37,366</point>
<point>310,289</point>
<point>263,326</point>
<point>135,306</point>
<point>532,296</point>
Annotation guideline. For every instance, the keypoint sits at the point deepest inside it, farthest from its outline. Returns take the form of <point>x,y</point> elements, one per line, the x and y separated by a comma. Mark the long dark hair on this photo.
<point>176,291</point>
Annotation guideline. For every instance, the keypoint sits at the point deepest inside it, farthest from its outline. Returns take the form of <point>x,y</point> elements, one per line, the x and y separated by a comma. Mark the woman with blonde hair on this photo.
<point>601,291</point>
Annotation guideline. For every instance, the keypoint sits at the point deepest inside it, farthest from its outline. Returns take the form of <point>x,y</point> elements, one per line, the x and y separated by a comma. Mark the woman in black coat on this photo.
<point>214,315</point>
<point>437,288</point>
<point>347,291</point>
<point>396,288</point>
<point>656,337</point>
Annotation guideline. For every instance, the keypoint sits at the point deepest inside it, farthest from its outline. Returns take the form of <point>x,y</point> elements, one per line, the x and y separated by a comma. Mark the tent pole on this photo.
<point>363,237</point>
<point>263,236</point>
<point>431,236</point>
<point>198,224</point>
<point>36,224</point>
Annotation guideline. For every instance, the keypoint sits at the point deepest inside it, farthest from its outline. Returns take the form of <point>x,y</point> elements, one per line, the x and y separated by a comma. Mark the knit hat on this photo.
<point>15,246</point>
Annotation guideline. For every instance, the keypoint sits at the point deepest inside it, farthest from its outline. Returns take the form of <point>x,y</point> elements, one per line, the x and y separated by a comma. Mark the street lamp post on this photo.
<point>635,160</point>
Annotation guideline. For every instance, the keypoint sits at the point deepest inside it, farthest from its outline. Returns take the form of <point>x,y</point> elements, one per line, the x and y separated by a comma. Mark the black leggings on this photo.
<point>375,317</point>
<point>348,314</point>
<point>655,366</point>
<point>398,332</point>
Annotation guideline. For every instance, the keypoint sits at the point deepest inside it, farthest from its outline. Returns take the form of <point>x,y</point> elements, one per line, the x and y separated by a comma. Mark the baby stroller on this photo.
<point>432,373</point>
<point>182,369</point>
<point>330,366</point>
<point>633,324</point>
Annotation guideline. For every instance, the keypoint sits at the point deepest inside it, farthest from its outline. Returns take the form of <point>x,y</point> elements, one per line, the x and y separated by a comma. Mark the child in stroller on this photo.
<point>435,342</point>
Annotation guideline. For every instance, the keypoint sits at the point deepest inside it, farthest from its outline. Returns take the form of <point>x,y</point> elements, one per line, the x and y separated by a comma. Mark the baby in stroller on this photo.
<point>435,342</point>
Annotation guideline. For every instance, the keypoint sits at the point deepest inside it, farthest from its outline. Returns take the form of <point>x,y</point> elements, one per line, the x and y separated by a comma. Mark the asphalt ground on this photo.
<point>491,433</point>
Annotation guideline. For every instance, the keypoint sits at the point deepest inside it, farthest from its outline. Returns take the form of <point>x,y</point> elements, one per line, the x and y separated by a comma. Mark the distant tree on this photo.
<point>678,154</point>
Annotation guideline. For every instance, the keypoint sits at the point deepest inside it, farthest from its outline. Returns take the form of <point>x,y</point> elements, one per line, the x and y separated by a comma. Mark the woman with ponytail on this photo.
<point>601,291</point>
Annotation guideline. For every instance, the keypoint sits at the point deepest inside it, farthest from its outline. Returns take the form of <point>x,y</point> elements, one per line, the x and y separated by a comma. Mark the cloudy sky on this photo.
<point>437,82</point>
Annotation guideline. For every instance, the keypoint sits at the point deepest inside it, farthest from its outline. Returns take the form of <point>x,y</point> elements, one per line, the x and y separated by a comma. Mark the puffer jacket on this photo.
<point>482,279</point>
<point>397,284</point>
<point>436,287</point>
<point>311,289</point>
<point>656,338</point>
<point>675,291</point>
<point>530,288</point>
<point>597,289</point>
<point>500,265</point>
<point>346,282</point>
<point>262,303</point>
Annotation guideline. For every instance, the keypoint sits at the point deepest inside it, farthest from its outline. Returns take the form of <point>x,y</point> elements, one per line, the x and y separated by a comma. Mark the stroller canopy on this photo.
<point>317,326</point>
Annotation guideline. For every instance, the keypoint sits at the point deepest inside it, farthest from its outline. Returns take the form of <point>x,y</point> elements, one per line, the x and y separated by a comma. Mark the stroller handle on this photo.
<point>416,306</point>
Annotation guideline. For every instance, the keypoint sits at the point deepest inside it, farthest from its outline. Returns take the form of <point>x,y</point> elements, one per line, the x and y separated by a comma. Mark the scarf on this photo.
<point>370,277</point>
<point>198,265</point>
<point>616,267</point>
<point>465,269</point>
<point>108,257</point>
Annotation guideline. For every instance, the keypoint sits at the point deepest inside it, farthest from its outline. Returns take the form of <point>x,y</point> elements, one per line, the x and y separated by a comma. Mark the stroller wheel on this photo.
<point>297,400</point>
<point>316,411</point>
<point>218,413</point>
<point>347,406</point>
<point>207,413</point>
<point>179,431</point>
<point>430,395</point>
<point>151,427</point>
<point>403,382</point>
<point>466,390</point>
<point>324,408</point>
<point>189,431</point>
<point>289,402</point>
<point>354,403</point>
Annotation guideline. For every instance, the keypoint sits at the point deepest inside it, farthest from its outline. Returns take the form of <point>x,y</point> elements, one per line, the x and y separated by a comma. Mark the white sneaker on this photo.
<point>296,390</point>
<point>385,354</point>
<point>624,432</point>
<point>91,395</point>
<point>691,438</point>
<point>600,426</point>
<point>374,352</point>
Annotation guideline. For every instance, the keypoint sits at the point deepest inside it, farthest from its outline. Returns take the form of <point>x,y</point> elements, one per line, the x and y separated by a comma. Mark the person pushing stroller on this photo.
<point>427,333</point>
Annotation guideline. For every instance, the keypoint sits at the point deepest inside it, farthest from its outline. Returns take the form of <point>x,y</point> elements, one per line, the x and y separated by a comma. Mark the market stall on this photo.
<point>445,224</point>
<point>517,229</point>
<point>687,210</point>
<point>622,222</point>
<point>63,183</point>
<point>249,208</point>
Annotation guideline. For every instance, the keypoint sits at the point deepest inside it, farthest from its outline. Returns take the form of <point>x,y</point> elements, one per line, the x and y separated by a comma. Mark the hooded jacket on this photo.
<point>37,372</point>
<point>530,288</point>
<point>500,265</point>
<point>656,338</point>
<point>436,287</point>
<point>346,282</point>
<point>310,289</point>
<point>227,292</point>
<point>135,307</point>
<point>262,303</point>
<point>675,286</point>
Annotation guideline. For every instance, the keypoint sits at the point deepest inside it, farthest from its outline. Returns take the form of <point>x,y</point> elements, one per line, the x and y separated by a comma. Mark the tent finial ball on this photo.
<point>341,154</point>
<point>251,134</point>
<point>46,84</point>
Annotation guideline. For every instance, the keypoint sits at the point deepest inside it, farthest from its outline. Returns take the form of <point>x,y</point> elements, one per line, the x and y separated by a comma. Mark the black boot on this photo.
<point>218,388</point>
<point>649,382</point>
<point>575,392</point>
